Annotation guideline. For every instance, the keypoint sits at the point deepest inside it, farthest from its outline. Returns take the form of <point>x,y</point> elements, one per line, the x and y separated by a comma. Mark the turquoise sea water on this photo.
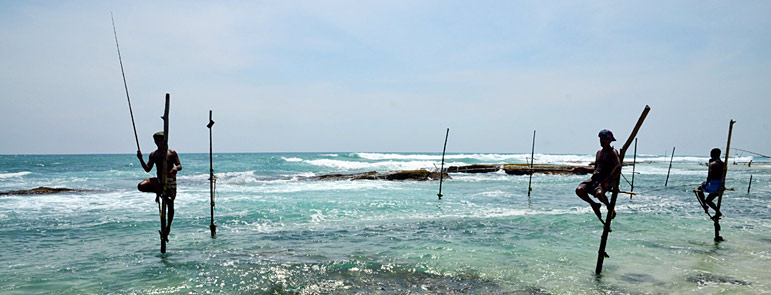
<point>281,233</point>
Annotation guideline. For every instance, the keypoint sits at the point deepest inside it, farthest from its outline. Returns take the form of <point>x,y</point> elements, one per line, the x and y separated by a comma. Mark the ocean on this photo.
<point>280,232</point>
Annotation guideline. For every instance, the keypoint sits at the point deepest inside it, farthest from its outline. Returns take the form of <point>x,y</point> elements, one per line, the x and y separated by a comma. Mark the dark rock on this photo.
<point>419,175</point>
<point>43,191</point>
<point>475,168</point>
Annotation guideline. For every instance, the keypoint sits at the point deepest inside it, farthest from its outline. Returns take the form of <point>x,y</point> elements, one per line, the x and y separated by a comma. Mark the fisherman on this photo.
<point>607,167</point>
<point>153,185</point>
<point>713,184</point>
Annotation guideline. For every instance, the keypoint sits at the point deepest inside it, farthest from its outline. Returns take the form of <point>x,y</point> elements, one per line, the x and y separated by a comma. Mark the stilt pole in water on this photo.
<point>532,154</point>
<point>125,85</point>
<point>718,238</point>
<point>601,253</point>
<point>634,165</point>
<point>164,175</point>
<point>749,185</point>
<point>670,166</point>
<point>441,170</point>
<point>212,227</point>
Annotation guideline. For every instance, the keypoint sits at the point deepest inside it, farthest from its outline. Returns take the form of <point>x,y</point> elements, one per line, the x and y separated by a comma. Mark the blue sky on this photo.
<point>298,76</point>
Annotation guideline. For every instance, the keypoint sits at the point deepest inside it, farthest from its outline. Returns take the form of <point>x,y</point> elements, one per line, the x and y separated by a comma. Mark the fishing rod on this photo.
<point>125,85</point>
<point>754,153</point>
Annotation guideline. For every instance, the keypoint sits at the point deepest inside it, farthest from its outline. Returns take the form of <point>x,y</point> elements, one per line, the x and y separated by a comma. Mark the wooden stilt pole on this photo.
<point>749,185</point>
<point>164,175</point>
<point>441,170</point>
<point>670,166</point>
<point>212,227</point>
<point>718,238</point>
<point>532,155</point>
<point>601,253</point>
<point>634,165</point>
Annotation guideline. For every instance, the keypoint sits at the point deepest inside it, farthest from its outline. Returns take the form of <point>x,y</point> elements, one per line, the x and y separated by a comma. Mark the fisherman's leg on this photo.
<point>700,195</point>
<point>149,185</point>
<point>581,192</point>
<point>709,201</point>
<point>170,205</point>
<point>601,196</point>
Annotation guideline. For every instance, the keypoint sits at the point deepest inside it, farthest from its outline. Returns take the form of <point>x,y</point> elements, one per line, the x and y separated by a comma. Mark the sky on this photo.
<point>385,76</point>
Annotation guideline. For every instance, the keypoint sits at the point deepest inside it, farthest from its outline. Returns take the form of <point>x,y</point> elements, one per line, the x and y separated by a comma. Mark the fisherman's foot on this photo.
<point>717,216</point>
<point>165,236</point>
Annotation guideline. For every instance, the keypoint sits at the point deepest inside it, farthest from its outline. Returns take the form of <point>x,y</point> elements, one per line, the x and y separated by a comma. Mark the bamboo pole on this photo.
<point>212,227</point>
<point>634,165</point>
<point>441,170</point>
<point>718,238</point>
<point>164,174</point>
<point>670,166</point>
<point>601,253</point>
<point>532,158</point>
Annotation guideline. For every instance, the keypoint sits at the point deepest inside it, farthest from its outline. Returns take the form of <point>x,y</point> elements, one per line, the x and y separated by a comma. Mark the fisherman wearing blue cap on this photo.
<point>713,184</point>
<point>607,166</point>
<point>153,185</point>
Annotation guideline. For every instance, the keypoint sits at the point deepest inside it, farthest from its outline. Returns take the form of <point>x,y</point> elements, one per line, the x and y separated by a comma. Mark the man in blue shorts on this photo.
<point>607,166</point>
<point>713,184</point>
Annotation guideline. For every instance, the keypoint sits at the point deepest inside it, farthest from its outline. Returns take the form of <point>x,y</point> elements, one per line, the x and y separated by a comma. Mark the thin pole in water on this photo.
<point>212,227</point>
<point>532,155</point>
<point>670,166</point>
<point>125,85</point>
<point>601,253</point>
<point>718,238</point>
<point>634,165</point>
<point>441,170</point>
<point>749,185</point>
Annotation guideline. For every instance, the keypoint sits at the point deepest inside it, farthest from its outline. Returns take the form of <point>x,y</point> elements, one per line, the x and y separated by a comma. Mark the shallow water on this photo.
<point>281,233</point>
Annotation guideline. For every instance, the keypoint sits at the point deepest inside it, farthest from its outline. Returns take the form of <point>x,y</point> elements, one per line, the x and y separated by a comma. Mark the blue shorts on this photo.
<point>711,186</point>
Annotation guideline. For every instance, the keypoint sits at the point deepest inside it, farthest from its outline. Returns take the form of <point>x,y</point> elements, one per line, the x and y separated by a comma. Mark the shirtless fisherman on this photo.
<point>713,183</point>
<point>153,185</point>
<point>607,167</point>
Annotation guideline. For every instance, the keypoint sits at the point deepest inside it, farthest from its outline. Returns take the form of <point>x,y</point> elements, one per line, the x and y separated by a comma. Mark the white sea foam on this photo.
<point>488,158</point>
<point>292,159</point>
<point>16,174</point>
<point>382,165</point>
<point>314,186</point>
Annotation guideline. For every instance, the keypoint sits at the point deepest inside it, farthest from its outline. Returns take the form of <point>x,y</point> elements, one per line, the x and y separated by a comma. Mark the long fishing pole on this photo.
<point>125,85</point>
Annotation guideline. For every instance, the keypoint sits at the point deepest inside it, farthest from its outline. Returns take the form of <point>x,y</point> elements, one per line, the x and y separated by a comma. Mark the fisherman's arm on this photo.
<point>176,163</point>
<point>142,161</point>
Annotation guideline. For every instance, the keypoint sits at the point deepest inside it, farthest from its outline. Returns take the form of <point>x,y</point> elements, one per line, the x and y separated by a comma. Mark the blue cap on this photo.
<point>607,134</point>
